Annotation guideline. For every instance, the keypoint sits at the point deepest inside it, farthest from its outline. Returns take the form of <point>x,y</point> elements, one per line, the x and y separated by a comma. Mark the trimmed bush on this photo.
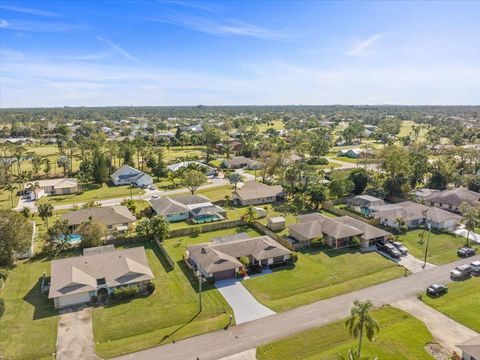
<point>151,287</point>
<point>294,257</point>
<point>123,293</point>
<point>317,161</point>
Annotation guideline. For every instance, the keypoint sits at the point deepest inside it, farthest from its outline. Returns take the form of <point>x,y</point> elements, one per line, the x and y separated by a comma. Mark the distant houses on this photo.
<point>240,162</point>
<point>363,203</point>
<point>128,175</point>
<point>197,208</point>
<point>255,193</point>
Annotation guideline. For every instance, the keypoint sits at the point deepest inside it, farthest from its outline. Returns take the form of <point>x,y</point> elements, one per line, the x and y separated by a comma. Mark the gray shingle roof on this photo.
<point>315,226</point>
<point>255,190</point>
<point>107,215</point>
<point>168,206</point>
<point>79,274</point>
<point>214,256</point>
<point>191,199</point>
<point>455,197</point>
<point>365,200</point>
<point>369,232</point>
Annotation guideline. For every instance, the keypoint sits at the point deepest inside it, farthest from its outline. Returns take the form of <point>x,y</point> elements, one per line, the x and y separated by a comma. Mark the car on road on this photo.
<point>152,187</point>
<point>155,196</point>
<point>400,247</point>
<point>475,266</point>
<point>466,252</point>
<point>461,272</point>
<point>437,289</point>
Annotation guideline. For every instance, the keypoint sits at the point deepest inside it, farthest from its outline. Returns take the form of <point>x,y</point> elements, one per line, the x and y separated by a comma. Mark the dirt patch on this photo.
<point>437,351</point>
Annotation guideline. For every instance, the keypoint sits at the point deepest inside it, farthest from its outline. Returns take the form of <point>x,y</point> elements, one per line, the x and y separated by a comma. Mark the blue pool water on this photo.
<point>74,238</point>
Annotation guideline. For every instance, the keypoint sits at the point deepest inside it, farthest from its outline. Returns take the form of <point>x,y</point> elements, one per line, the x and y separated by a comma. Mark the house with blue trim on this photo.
<point>128,175</point>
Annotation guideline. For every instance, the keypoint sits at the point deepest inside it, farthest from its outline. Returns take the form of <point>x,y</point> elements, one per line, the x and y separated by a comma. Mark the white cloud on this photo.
<point>119,50</point>
<point>30,11</point>
<point>7,54</point>
<point>219,27</point>
<point>43,27</point>
<point>363,46</point>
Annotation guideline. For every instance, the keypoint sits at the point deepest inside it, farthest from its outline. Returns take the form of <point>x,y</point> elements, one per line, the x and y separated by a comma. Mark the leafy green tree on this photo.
<point>420,165</point>
<point>470,218</point>
<point>398,168</point>
<point>16,235</point>
<point>130,204</point>
<point>234,178</point>
<point>360,321</point>
<point>156,227</point>
<point>47,166</point>
<point>359,178</point>
<point>99,168</point>
<point>45,211</point>
<point>57,239</point>
<point>317,194</point>
<point>26,212</point>
<point>341,187</point>
<point>92,233</point>
<point>193,179</point>
<point>11,188</point>
<point>64,163</point>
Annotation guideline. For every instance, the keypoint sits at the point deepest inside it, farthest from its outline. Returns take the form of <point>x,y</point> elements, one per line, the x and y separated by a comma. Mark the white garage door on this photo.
<point>74,299</point>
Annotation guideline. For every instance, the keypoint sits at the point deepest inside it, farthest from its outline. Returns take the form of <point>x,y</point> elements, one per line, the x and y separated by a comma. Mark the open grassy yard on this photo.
<point>277,125</point>
<point>170,313</point>
<point>442,248</point>
<point>216,193</point>
<point>28,329</point>
<point>461,303</point>
<point>93,193</point>
<point>5,201</point>
<point>175,152</point>
<point>401,336</point>
<point>320,274</point>
<point>345,159</point>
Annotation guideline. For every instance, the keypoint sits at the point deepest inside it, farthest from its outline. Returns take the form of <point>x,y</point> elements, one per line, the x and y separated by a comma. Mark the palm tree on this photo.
<point>250,215</point>
<point>361,320</point>
<point>45,211</point>
<point>11,188</point>
<point>22,178</point>
<point>35,187</point>
<point>470,218</point>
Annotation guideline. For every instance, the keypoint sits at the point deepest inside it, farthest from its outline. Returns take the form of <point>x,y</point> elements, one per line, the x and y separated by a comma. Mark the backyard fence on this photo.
<point>165,254</point>
<point>205,228</point>
<point>329,206</point>
<point>264,230</point>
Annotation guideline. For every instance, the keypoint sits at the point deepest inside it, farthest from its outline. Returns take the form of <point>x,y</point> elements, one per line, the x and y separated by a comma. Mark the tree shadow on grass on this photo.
<point>43,307</point>
<point>166,337</point>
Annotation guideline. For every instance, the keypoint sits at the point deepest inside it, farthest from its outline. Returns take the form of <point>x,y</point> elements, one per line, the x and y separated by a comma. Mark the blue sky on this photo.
<point>102,53</point>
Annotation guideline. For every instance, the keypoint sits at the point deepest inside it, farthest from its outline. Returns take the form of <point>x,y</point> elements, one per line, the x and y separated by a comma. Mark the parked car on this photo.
<point>475,266</point>
<point>466,252</point>
<point>380,244</point>
<point>400,247</point>
<point>152,187</point>
<point>392,250</point>
<point>155,196</point>
<point>461,272</point>
<point>437,289</point>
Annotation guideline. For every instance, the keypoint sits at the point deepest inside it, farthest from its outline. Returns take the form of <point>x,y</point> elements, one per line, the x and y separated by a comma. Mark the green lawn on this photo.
<point>401,336</point>
<point>461,303</point>
<point>320,274</point>
<point>5,201</point>
<point>28,329</point>
<point>216,193</point>
<point>442,247</point>
<point>94,193</point>
<point>345,159</point>
<point>171,313</point>
<point>175,152</point>
<point>277,125</point>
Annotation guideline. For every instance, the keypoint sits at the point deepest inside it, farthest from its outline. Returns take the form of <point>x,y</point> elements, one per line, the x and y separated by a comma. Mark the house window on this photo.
<point>101,281</point>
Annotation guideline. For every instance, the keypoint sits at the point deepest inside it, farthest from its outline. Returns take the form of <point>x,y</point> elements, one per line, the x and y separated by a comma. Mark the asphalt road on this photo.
<point>222,343</point>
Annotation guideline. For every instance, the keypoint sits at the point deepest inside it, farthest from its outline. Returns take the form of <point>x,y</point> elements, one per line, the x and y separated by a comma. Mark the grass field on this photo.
<point>461,303</point>
<point>442,247</point>
<point>277,125</point>
<point>28,329</point>
<point>5,201</point>
<point>345,159</point>
<point>320,274</point>
<point>171,313</point>
<point>95,193</point>
<point>401,337</point>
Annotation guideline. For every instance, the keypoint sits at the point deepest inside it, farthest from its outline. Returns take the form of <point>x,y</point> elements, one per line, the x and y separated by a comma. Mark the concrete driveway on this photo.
<point>409,262</point>
<point>448,332</point>
<point>75,334</point>
<point>245,306</point>
<point>464,232</point>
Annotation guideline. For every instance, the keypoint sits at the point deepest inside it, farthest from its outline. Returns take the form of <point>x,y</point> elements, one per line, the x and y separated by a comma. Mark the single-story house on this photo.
<point>276,223</point>
<point>415,215</point>
<point>74,280</point>
<point>62,186</point>
<point>421,194</point>
<point>208,170</point>
<point>165,135</point>
<point>183,207</point>
<point>239,162</point>
<point>220,259</point>
<point>128,175</point>
<point>234,145</point>
<point>350,153</point>
<point>336,232</point>
<point>363,203</point>
<point>116,217</point>
<point>255,193</point>
<point>470,348</point>
<point>451,199</point>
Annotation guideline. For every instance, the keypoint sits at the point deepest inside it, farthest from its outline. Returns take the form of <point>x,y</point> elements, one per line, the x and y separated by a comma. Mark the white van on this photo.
<point>475,266</point>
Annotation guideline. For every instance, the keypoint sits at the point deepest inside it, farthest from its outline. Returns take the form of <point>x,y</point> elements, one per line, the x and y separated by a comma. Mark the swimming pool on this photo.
<point>74,238</point>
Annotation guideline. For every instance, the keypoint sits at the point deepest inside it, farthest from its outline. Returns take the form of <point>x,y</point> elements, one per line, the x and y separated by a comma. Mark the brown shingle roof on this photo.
<point>79,274</point>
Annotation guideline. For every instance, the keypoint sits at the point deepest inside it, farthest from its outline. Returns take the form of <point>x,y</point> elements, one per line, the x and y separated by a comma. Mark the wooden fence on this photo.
<point>165,254</point>
<point>264,230</point>
<point>205,228</point>
<point>342,212</point>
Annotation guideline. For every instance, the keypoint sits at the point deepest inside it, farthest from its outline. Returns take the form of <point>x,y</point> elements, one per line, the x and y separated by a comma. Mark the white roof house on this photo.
<point>129,175</point>
<point>181,165</point>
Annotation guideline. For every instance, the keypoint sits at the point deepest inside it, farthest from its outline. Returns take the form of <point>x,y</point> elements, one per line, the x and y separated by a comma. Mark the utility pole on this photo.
<point>199,275</point>
<point>426,247</point>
